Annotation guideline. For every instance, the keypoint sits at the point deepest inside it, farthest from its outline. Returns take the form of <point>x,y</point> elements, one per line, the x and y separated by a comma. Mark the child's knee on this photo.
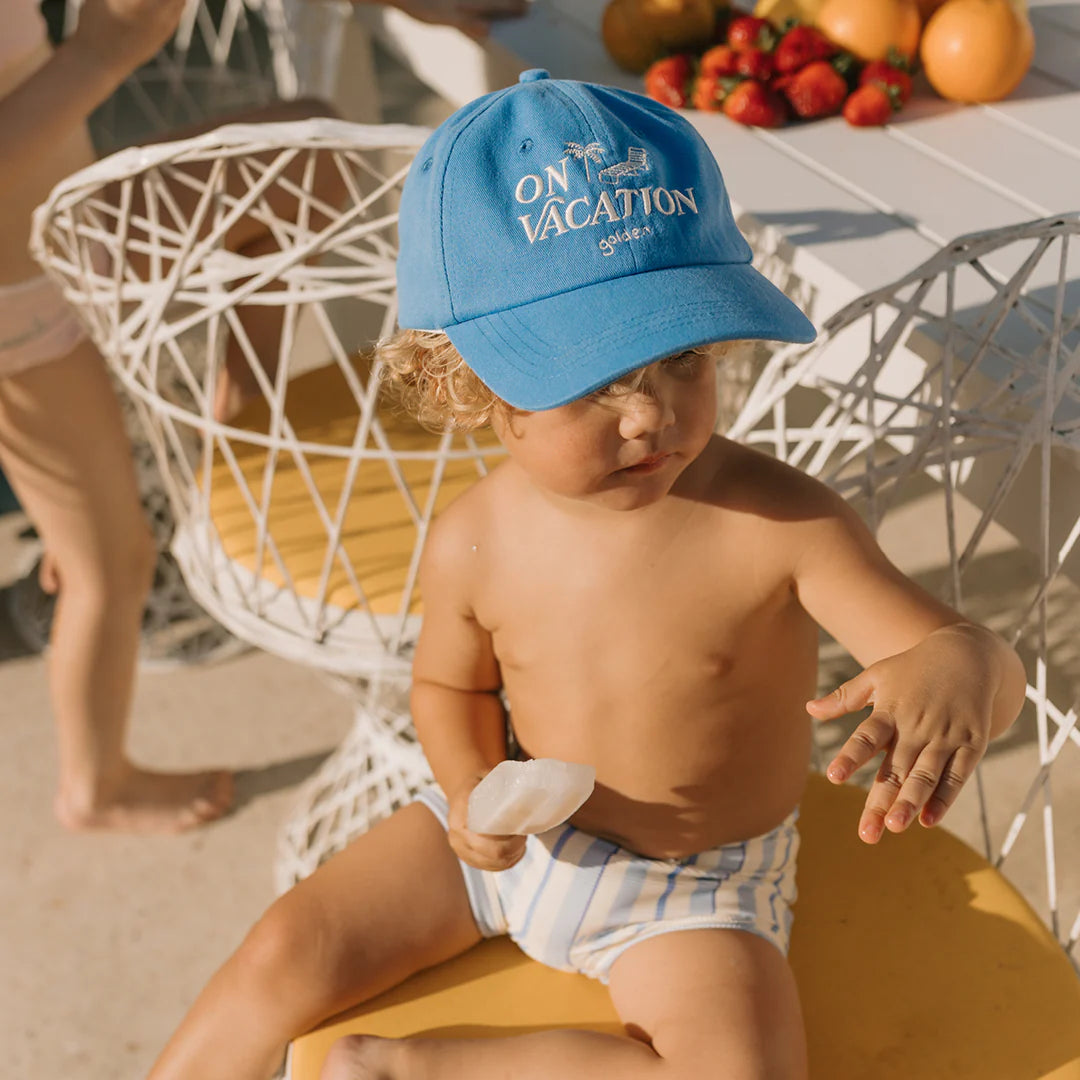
<point>128,566</point>
<point>291,950</point>
<point>104,570</point>
<point>278,943</point>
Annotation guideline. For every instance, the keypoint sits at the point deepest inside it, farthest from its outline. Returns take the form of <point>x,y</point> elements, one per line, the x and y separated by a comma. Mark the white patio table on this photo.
<point>839,210</point>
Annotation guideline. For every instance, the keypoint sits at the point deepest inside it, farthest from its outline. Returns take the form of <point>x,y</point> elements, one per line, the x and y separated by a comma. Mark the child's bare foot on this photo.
<point>363,1057</point>
<point>150,802</point>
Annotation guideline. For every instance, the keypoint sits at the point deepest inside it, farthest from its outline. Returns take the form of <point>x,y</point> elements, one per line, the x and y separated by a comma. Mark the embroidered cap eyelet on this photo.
<point>426,167</point>
<point>525,146</point>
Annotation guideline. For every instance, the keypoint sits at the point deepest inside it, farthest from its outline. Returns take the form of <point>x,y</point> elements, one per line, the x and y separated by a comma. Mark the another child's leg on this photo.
<point>699,1003</point>
<point>392,903</point>
<point>64,448</point>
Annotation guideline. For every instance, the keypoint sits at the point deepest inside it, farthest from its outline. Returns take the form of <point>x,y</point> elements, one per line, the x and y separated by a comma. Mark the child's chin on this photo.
<point>634,496</point>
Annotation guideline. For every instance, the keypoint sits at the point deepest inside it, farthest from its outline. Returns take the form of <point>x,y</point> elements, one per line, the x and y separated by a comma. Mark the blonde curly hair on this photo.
<point>433,383</point>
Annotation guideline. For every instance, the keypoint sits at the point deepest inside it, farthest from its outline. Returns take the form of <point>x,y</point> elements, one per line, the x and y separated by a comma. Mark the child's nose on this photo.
<point>645,413</point>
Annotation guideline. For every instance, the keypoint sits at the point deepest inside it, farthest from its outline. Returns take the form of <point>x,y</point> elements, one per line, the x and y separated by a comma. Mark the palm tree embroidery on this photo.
<point>593,152</point>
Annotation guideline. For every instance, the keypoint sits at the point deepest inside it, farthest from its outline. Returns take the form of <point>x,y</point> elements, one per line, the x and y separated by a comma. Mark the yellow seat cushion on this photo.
<point>914,959</point>
<point>379,534</point>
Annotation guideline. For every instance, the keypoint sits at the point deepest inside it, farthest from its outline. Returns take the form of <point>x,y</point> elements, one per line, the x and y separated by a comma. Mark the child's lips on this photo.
<point>649,464</point>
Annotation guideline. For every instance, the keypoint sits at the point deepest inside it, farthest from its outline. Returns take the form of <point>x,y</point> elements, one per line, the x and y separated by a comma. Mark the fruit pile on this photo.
<point>763,76</point>
<point>800,59</point>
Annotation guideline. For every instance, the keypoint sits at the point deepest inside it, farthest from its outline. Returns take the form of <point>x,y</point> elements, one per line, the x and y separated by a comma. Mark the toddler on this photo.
<point>646,593</point>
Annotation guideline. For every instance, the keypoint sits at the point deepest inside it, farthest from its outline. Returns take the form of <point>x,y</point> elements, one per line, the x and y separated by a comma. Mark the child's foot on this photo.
<point>150,802</point>
<point>362,1057</point>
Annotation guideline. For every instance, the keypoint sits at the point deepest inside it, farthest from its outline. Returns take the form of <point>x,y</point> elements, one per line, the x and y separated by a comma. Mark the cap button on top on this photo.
<point>533,74</point>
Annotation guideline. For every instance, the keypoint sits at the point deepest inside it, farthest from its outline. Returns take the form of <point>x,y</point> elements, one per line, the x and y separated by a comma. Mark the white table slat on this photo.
<point>1045,109</point>
<point>938,200</point>
<point>999,156</point>
<point>838,240</point>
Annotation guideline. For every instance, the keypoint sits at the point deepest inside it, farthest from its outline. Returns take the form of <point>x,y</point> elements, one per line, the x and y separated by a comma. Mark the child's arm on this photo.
<point>941,686</point>
<point>455,700</point>
<point>112,39</point>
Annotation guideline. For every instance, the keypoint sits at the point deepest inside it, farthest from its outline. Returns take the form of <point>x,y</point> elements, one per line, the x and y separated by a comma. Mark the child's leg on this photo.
<point>392,903</point>
<point>700,1003</point>
<point>64,448</point>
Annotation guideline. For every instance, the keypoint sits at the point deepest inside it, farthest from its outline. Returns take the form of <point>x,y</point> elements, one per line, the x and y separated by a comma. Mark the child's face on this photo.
<point>617,448</point>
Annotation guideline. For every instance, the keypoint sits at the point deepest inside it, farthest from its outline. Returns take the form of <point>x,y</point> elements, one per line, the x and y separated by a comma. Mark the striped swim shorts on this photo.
<point>575,902</point>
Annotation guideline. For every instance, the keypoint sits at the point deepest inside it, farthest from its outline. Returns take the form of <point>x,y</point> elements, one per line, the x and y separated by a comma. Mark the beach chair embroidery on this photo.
<point>636,163</point>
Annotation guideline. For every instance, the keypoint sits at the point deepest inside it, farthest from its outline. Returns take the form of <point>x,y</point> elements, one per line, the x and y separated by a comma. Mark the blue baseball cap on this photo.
<point>563,234</point>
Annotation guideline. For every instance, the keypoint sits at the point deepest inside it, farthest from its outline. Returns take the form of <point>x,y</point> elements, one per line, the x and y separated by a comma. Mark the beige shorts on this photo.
<point>576,902</point>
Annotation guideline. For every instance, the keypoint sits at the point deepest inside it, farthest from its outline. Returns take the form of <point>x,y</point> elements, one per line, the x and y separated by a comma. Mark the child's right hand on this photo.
<point>481,850</point>
<point>121,35</point>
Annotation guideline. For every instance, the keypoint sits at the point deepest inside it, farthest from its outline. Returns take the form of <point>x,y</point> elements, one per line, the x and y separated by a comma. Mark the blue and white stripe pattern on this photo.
<point>575,902</point>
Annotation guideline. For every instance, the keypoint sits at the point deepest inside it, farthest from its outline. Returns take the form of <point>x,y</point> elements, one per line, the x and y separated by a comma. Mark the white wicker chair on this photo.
<point>299,524</point>
<point>963,377</point>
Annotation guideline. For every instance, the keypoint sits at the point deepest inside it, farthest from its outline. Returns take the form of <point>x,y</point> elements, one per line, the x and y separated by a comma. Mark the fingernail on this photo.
<point>898,819</point>
<point>930,817</point>
<point>835,773</point>
<point>870,833</point>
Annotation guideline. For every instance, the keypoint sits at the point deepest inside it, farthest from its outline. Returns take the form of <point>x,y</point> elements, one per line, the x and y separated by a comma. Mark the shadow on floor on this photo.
<point>252,784</point>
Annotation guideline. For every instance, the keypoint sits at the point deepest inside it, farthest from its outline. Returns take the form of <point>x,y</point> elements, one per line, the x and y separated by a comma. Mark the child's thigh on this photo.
<point>66,452</point>
<point>708,996</point>
<point>392,903</point>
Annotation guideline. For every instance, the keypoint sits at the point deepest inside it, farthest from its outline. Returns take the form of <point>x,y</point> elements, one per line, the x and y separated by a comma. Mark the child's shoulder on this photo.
<point>750,481</point>
<point>465,525</point>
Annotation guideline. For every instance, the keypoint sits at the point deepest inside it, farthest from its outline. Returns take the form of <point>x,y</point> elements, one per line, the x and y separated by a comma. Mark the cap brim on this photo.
<point>552,351</point>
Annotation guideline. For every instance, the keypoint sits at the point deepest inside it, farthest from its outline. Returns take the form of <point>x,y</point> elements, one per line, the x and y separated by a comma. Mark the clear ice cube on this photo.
<point>522,797</point>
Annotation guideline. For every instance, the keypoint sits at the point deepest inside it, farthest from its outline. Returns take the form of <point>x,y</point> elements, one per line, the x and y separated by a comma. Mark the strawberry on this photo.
<point>668,80</point>
<point>754,64</point>
<point>753,103</point>
<point>749,32</point>
<point>870,106</point>
<point>815,90</point>
<point>710,91</point>
<point>719,60</point>
<point>881,71</point>
<point>800,46</point>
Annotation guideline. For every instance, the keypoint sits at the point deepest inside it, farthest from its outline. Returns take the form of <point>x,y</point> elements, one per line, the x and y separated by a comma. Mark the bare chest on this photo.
<point>689,605</point>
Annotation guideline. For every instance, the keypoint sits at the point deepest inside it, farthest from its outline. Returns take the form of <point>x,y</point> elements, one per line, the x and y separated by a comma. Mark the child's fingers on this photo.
<point>956,773</point>
<point>872,736</point>
<point>488,852</point>
<point>848,697</point>
<point>891,774</point>
<point>920,783</point>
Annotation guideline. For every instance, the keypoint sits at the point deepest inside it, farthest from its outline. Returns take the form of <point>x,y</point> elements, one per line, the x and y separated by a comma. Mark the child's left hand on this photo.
<point>932,709</point>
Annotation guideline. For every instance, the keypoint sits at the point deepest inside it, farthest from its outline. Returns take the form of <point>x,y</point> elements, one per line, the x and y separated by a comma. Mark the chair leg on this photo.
<point>378,768</point>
